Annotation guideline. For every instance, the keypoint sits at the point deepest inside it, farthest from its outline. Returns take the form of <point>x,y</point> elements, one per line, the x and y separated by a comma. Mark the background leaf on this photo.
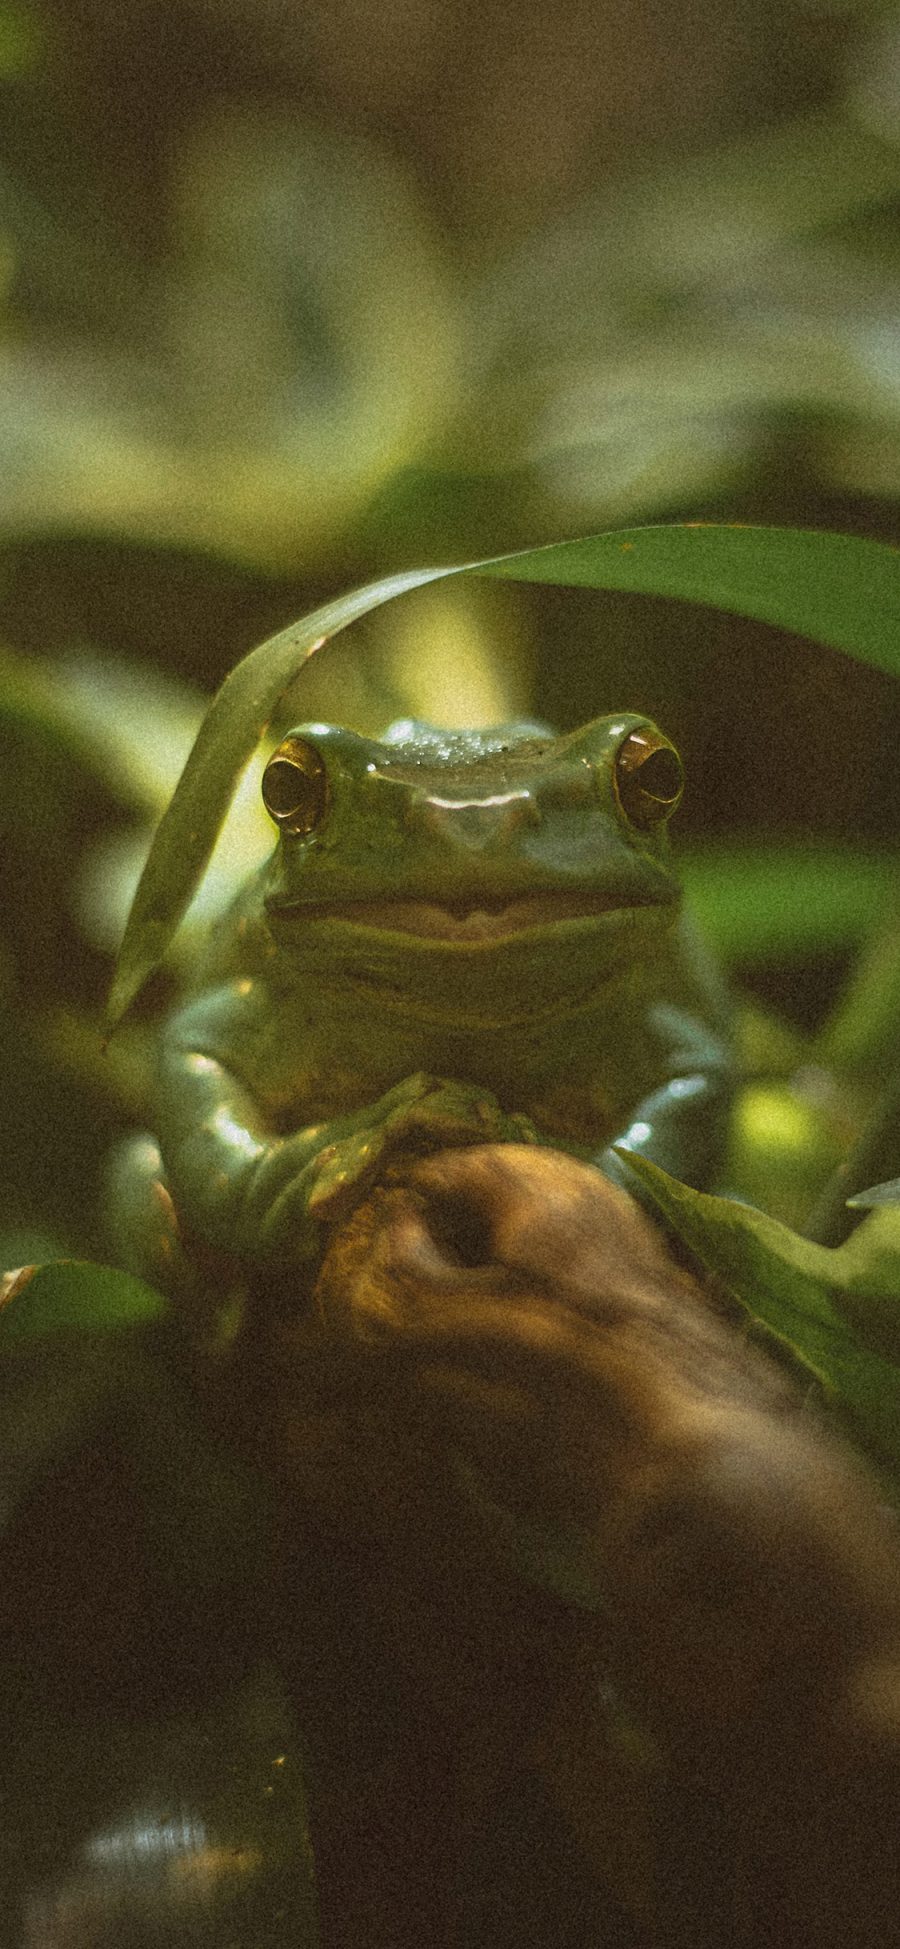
<point>835,1310</point>
<point>787,899</point>
<point>66,1297</point>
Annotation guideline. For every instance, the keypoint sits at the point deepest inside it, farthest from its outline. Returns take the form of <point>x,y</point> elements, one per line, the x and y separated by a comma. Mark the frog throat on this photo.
<point>478,973</point>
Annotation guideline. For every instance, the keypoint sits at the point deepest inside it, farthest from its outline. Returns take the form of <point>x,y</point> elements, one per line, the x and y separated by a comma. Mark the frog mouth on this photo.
<point>476,919</point>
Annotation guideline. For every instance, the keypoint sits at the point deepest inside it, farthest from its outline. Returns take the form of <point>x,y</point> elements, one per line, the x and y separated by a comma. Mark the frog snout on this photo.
<point>478,822</point>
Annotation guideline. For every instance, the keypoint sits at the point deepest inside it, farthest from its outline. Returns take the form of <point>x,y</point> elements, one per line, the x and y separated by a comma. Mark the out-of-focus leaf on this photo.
<point>862,1032</point>
<point>128,731</point>
<point>877,1194</point>
<point>658,344</point>
<point>627,465</point>
<point>68,1331</point>
<point>762,900</point>
<point>787,1138</point>
<point>874,96</point>
<point>315,331</point>
<point>145,719</point>
<point>69,1296</point>
<point>766,1046</point>
<point>837,1310</point>
<point>298,346</point>
<point>21,39</point>
<point>682,229</point>
<point>34,704</point>
<point>640,424</point>
<point>710,380</point>
<point>91,752</point>
<point>839,588</point>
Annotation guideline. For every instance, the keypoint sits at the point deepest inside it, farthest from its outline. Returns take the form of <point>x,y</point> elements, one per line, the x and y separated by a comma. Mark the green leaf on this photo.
<point>836,1309</point>
<point>838,589</point>
<point>877,1194</point>
<point>236,720</point>
<point>843,590</point>
<point>127,731</point>
<point>761,900</point>
<point>68,1295</point>
<point>868,1289</point>
<point>860,1035</point>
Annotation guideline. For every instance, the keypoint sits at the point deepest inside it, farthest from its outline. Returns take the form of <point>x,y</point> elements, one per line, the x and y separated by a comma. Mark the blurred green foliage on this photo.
<point>290,299</point>
<point>248,311</point>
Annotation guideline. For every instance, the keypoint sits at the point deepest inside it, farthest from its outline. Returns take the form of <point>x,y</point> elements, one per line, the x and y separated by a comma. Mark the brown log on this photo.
<point>553,1427</point>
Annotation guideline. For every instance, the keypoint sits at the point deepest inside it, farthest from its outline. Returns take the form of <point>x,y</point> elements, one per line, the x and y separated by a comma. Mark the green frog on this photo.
<point>461,936</point>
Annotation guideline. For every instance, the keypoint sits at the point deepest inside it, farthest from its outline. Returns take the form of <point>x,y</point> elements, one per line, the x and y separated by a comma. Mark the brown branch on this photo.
<point>520,1385</point>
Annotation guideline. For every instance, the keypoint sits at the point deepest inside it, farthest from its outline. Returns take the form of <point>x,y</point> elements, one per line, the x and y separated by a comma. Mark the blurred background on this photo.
<point>294,295</point>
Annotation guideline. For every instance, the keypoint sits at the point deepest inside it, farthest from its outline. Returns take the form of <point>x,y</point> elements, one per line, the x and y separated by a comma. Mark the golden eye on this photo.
<point>295,786</point>
<point>649,778</point>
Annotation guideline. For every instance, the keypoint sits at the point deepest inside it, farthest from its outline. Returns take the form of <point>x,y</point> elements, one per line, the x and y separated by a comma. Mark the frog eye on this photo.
<point>295,786</point>
<point>649,778</point>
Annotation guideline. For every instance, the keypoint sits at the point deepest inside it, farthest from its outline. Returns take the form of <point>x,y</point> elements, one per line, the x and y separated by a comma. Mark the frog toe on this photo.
<point>141,1220</point>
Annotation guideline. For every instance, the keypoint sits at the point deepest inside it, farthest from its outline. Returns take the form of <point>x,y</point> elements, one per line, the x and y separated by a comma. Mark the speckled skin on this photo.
<point>474,942</point>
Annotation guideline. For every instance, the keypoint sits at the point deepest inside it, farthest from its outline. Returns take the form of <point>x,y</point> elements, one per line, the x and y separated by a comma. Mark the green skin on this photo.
<point>474,943</point>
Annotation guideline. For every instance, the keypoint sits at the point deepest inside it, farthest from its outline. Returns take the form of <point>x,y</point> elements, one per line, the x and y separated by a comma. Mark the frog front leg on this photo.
<point>220,1188</point>
<point>682,1124</point>
<point>243,1185</point>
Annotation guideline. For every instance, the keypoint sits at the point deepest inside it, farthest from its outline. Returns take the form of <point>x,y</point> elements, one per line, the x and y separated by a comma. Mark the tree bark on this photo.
<point>611,1544</point>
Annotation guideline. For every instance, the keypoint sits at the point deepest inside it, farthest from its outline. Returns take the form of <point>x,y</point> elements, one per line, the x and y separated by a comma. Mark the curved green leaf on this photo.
<point>841,589</point>
<point>835,1308</point>
<point>236,720</point>
<point>72,1296</point>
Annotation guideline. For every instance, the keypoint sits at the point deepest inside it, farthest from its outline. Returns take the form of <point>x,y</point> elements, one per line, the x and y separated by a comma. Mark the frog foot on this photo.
<point>423,1113</point>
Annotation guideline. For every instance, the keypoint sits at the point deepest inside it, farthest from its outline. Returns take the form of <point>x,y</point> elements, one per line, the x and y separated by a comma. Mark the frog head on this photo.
<point>505,854</point>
